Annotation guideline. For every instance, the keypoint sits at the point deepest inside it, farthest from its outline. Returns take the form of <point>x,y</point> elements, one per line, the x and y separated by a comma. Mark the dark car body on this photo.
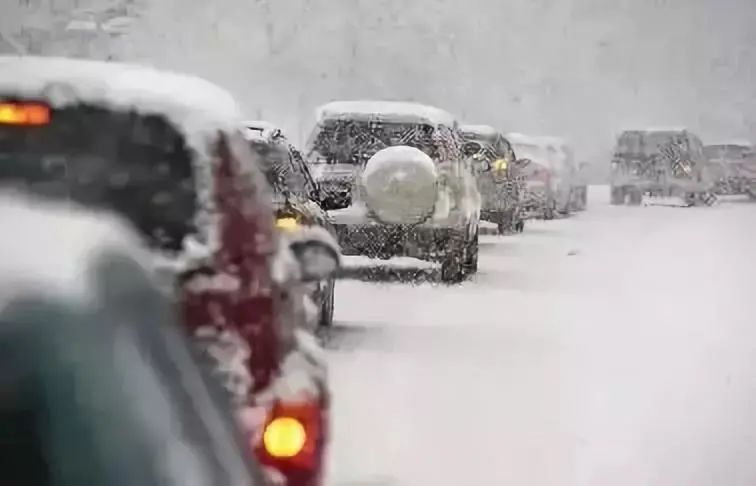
<point>172,162</point>
<point>99,384</point>
<point>297,198</point>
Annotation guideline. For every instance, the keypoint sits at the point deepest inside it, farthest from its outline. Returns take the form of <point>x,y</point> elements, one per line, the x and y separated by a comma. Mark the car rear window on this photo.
<point>137,165</point>
<point>355,141</point>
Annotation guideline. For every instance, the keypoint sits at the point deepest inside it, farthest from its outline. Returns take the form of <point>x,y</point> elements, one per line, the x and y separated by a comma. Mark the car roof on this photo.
<point>193,104</point>
<point>262,131</point>
<point>745,144</point>
<point>396,111</point>
<point>655,130</point>
<point>479,132</point>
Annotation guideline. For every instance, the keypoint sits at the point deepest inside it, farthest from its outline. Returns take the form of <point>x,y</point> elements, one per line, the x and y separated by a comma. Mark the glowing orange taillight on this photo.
<point>292,437</point>
<point>284,437</point>
<point>35,114</point>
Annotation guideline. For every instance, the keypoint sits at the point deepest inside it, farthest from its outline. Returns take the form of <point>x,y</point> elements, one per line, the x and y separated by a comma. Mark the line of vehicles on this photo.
<point>244,235</point>
<point>673,163</point>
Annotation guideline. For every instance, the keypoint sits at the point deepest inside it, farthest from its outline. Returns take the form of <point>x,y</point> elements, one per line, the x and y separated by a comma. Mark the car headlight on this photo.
<point>287,224</point>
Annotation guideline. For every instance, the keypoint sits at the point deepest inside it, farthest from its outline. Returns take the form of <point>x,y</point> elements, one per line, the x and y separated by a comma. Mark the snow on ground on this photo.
<point>612,348</point>
<point>360,261</point>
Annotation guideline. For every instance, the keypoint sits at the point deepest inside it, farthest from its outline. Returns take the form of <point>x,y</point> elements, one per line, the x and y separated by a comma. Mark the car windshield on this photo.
<point>354,141</point>
<point>137,165</point>
<point>282,174</point>
<point>645,143</point>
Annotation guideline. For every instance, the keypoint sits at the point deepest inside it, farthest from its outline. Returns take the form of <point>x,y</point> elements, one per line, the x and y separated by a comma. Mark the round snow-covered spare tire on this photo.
<point>399,185</point>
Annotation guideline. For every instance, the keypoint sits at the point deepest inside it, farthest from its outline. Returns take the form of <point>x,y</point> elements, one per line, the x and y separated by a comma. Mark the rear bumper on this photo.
<point>386,241</point>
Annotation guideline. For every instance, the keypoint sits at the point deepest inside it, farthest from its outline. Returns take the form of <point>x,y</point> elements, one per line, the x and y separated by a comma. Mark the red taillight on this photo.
<point>292,437</point>
<point>34,114</point>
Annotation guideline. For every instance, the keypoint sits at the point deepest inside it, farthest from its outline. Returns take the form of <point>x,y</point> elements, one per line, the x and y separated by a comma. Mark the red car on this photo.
<point>164,151</point>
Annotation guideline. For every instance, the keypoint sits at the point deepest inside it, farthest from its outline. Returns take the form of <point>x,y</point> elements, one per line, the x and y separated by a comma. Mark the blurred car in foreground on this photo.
<point>661,164</point>
<point>727,166</point>
<point>502,192</point>
<point>164,151</point>
<point>98,384</point>
<point>407,188</point>
<point>296,198</point>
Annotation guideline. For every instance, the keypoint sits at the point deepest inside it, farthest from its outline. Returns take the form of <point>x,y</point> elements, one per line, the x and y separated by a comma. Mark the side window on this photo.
<point>449,144</point>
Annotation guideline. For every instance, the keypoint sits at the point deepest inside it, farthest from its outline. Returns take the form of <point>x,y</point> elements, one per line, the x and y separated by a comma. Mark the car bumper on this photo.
<point>386,241</point>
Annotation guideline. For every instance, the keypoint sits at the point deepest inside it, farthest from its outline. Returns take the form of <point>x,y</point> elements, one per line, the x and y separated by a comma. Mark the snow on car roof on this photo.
<point>536,140</point>
<point>657,129</point>
<point>481,130</point>
<point>391,110</point>
<point>260,130</point>
<point>30,263</point>
<point>731,143</point>
<point>522,139</point>
<point>195,105</point>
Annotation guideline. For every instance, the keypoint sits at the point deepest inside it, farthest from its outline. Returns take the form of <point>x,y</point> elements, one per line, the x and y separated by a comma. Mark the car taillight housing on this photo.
<point>292,440</point>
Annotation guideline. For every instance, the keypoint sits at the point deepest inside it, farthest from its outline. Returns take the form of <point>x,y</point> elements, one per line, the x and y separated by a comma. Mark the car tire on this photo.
<point>636,197</point>
<point>453,263</point>
<point>471,262</point>
<point>548,212</point>
<point>325,320</point>
<point>618,196</point>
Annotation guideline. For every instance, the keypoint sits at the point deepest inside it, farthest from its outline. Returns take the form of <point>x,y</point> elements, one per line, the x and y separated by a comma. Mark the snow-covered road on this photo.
<point>614,348</point>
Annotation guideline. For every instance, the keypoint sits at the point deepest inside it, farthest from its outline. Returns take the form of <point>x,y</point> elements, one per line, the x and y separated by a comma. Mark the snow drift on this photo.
<point>399,185</point>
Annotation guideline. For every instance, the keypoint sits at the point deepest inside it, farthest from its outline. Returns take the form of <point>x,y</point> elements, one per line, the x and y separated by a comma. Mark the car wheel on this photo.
<point>505,224</point>
<point>327,306</point>
<point>520,226</point>
<point>636,197</point>
<point>548,212</point>
<point>618,195</point>
<point>471,263</point>
<point>453,263</point>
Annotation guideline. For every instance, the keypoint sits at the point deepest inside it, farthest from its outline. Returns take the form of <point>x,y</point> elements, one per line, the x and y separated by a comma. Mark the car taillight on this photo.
<point>292,437</point>
<point>284,437</point>
<point>35,114</point>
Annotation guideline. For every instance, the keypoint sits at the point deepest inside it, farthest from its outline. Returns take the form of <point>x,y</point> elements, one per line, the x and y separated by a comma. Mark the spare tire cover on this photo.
<point>399,185</point>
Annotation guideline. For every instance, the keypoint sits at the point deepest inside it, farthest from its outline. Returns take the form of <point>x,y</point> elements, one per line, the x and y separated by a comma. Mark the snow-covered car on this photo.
<point>296,198</point>
<point>667,163</point>
<point>410,190</point>
<point>555,154</point>
<point>540,199</point>
<point>502,191</point>
<point>165,152</point>
<point>726,166</point>
<point>99,382</point>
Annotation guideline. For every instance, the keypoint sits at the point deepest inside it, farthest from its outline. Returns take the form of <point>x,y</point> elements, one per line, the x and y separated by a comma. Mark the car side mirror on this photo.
<point>317,253</point>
